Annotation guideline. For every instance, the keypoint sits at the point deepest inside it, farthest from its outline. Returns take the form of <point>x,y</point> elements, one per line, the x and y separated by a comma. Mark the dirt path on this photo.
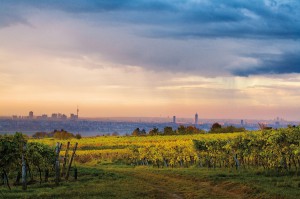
<point>179,187</point>
<point>164,190</point>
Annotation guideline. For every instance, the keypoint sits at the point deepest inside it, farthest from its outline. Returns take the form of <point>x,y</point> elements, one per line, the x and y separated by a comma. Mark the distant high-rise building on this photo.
<point>54,116</point>
<point>30,115</point>
<point>277,121</point>
<point>77,112</point>
<point>174,119</point>
<point>73,116</point>
<point>242,122</point>
<point>196,118</point>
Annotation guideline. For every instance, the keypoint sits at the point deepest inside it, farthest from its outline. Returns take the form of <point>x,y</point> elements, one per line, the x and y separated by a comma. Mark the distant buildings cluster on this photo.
<point>195,121</point>
<point>277,122</point>
<point>54,116</point>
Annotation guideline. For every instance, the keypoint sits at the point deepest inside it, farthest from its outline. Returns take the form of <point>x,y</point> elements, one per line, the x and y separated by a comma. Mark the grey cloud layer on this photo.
<point>273,64</point>
<point>236,20</point>
<point>232,18</point>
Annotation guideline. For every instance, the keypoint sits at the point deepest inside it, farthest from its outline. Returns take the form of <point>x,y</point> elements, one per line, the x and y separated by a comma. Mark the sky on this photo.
<point>142,58</point>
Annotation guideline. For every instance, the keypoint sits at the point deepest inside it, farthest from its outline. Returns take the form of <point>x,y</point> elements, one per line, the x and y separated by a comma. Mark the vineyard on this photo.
<point>276,150</point>
<point>23,160</point>
<point>270,158</point>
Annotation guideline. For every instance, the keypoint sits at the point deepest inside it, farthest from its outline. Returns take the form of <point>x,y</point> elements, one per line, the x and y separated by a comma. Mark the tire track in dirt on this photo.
<point>179,187</point>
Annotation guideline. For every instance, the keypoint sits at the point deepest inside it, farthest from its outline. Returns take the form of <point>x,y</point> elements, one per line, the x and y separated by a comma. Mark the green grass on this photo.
<point>122,181</point>
<point>254,184</point>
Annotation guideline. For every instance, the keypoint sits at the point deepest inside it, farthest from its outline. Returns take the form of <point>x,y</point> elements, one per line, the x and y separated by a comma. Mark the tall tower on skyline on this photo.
<point>77,112</point>
<point>174,119</point>
<point>196,118</point>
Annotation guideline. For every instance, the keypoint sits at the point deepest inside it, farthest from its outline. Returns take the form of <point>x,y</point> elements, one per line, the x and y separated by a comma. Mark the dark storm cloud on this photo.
<point>273,64</point>
<point>191,19</point>
<point>78,6</point>
<point>234,20</point>
<point>196,19</point>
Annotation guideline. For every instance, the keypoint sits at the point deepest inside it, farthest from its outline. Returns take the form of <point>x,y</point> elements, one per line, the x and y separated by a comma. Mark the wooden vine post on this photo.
<point>65,160</point>
<point>24,182</point>
<point>5,179</point>
<point>75,173</point>
<point>237,163</point>
<point>70,162</point>
<point>57,169</point>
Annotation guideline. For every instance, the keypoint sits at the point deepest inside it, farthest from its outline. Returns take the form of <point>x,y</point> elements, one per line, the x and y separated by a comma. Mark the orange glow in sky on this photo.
<point>149,63</point>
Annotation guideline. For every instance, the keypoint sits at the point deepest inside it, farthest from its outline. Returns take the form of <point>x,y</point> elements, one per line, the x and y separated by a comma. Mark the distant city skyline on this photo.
<point>100,126</point>
<point>56,115</point>
<point>222,59</point>
<point>193,118</point>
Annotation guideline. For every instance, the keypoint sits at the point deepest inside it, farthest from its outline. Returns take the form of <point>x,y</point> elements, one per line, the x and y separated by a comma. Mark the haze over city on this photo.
<point>230,59</point>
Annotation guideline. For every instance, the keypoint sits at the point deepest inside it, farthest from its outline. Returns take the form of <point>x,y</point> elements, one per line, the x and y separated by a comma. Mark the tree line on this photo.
<point>187,130</point>
<point>57,134</point>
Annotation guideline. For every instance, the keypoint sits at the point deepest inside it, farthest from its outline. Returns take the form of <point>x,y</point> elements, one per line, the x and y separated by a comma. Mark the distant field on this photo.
<point>125,148</point>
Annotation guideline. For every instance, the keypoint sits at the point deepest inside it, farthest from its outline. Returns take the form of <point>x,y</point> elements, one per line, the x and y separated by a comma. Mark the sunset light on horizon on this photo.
<point>234,60</point>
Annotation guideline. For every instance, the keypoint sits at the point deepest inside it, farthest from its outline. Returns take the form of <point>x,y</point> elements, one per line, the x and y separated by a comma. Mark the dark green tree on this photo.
<point>136,132</point>
<point>154,131</point>
<point>181,130</point>
<point>215,127</point>
<point>168,131</point>
<point>143,132</point>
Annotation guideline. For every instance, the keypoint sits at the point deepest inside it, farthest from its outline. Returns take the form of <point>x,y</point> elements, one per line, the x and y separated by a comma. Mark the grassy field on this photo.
<point>121,181</point>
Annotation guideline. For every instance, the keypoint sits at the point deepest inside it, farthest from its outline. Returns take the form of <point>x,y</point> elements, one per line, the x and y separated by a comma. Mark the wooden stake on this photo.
<point>6,179</point>
<point>24,180</point>
<point>70,162</point>
<point>57,169</point>
<point>46,175</point>
<point>75,173</point>
<point>65,160</point>
<point>237,163</point>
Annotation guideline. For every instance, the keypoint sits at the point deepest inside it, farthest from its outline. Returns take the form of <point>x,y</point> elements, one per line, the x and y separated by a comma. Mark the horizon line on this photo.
<point>166,117</point>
